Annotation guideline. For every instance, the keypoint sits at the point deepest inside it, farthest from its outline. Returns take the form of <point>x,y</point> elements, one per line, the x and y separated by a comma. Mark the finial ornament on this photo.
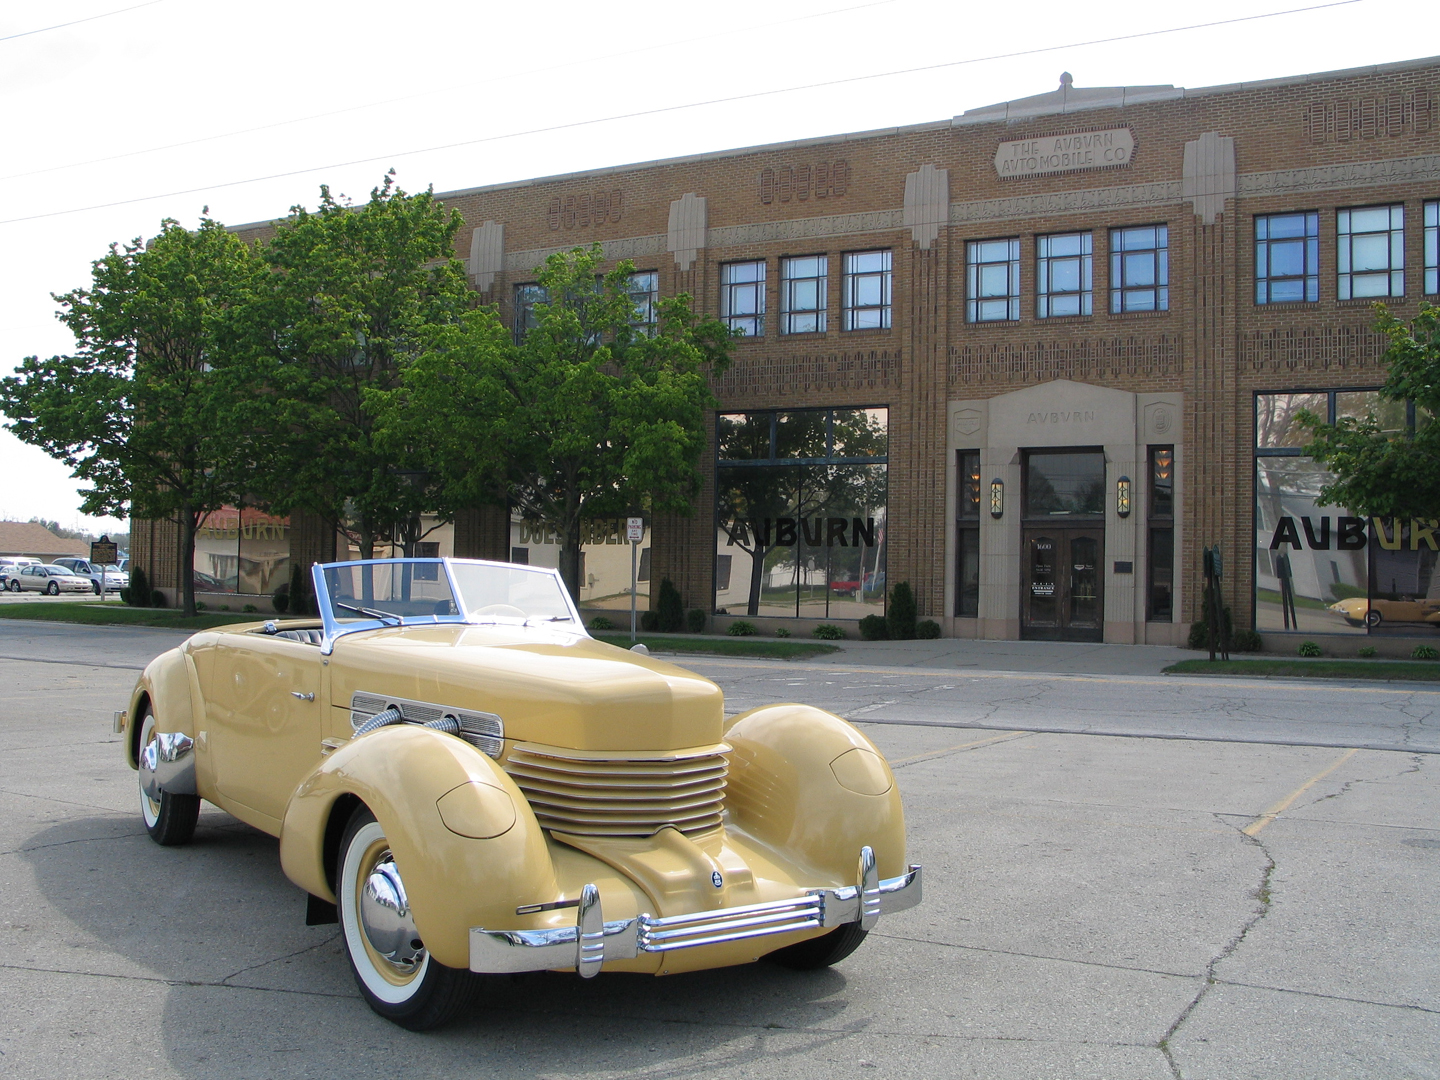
<point>1066,80</point>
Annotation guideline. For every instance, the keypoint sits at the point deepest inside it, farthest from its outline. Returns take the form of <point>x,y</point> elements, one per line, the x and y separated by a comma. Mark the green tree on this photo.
<point>1389,474</point>
<point>145,409</point>
<point>352,293</point>
<point>588,414</point>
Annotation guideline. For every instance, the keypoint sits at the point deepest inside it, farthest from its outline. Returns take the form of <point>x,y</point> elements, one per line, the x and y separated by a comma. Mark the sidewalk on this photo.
<point>1066,657</point>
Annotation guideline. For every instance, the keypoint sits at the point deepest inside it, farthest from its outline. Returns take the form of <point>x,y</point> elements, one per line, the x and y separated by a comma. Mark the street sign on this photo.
<point>634,530</point>
<point>104,551</point>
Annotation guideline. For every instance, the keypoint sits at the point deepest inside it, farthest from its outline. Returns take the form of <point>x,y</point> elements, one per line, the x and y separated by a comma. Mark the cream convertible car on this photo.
<point>472,784</point>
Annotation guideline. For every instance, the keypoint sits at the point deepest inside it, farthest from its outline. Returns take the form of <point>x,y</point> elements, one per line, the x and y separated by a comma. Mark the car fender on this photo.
<point>422,785</point>
<point>808,784</point>
<point>170,684</point>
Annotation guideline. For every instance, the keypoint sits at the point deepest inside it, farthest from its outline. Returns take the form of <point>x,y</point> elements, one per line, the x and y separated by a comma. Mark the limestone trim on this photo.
<point>1209,174</point>
<point>927,203</point>
<point>487,254</point>
<point>1350,174</point>
<point>686,235</point>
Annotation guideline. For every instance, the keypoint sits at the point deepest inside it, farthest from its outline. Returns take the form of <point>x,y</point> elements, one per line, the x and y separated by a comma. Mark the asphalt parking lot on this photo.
<point>1127,876</point>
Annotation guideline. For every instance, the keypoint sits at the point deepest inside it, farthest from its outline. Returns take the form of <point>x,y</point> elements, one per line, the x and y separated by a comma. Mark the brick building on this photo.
<point>1031,359</point>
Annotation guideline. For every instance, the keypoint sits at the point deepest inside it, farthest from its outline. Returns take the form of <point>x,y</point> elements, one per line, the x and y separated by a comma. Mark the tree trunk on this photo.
<point>188,521</point>
<point>757,577</point>
<point>570,558</point>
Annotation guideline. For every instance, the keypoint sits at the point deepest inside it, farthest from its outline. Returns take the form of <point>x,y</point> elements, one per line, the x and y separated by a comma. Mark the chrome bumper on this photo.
<point>592,941</point>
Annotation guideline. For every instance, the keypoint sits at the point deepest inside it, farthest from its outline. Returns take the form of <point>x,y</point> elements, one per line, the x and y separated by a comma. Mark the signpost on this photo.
<point>1214,567</point>
<point>634,532</point>
<point>103,552</point>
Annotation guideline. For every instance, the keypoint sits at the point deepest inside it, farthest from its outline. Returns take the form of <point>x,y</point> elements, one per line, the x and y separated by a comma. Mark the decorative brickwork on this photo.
<point>1103,361</point>
<point>863,372</point>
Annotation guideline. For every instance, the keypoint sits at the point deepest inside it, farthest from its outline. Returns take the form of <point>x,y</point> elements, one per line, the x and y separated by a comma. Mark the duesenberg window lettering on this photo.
<point>614,820</point>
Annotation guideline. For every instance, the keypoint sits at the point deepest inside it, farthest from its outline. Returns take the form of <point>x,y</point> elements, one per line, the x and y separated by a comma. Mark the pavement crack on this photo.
<point>277,959</point>
<point>1262,895</point>
<point>163,981</point>
<point>1330,997</point>
<point>1416,761</point>
<point>1137,969</point>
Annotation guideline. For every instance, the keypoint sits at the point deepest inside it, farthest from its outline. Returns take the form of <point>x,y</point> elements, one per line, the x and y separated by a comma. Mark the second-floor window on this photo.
<point>803,297</point>
<point>1370,252</point>
<point>1432,248</point>
<point>867,290</point>
<point>1140,269</point>
<point>1287,258</point>
<point>992,290</point>
<point>644,288</point>
<point>526,297</point>
<point>742,297</point>
<point>1063,271</point>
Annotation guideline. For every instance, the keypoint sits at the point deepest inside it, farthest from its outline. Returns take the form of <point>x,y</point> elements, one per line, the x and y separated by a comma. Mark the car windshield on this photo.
<point>408,591</point>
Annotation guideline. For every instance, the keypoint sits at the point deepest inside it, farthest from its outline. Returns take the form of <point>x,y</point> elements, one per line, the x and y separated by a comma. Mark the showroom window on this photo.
<point>800,513</point>
<point>803,294</point>
<point>1063,275</point>
<point>867,290</point>
<point>1140,269</point>
<point>992,292</point>
<point>1287,258</point>
<point>526,297</point>
<point>1160,586</point>
<point>1370,252</point>
<point>967,535</point>
<point>742,297</point>
<point>241,550</point>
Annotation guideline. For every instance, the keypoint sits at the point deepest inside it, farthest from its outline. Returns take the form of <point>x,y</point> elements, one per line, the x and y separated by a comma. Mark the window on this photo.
<point>520,555</point>
<point>967,536</point>
<point>1062,275</point>
<point>993,283</point>
<point>1287,258</point>
<point>526,297</point>
<point>1370,252</point>
<point>644,289</point>
<point>742,297</point>
<point>867,290</point>
<point>1432,248</point>
<point>802,294</point>
<point>1140,269</point>
<point>1160,587</point>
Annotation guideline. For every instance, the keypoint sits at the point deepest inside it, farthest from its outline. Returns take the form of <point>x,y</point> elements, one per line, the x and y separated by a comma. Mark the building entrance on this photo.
<point>1062,598</point>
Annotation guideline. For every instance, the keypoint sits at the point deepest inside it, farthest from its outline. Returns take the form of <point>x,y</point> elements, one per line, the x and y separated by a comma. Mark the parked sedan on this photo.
<point>49,579</point>
<point>115,578</point>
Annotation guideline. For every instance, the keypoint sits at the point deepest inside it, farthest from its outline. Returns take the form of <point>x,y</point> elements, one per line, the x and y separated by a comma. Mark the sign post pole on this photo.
<point>634,532</point>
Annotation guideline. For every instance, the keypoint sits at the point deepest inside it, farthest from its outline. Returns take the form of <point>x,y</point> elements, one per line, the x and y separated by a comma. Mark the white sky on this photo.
<point>86,109</point>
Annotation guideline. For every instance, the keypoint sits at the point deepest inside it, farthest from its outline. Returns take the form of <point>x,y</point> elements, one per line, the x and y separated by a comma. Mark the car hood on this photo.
<point>547,686</point>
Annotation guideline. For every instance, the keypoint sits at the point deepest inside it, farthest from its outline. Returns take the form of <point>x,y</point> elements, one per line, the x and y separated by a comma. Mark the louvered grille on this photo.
<point>634,795</point>
<point>482,730</point>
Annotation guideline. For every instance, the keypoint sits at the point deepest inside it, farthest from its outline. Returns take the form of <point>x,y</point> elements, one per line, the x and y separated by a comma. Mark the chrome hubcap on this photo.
<point>385,918</point>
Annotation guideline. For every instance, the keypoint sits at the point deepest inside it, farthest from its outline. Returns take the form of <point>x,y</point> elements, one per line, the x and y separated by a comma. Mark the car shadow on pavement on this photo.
<point>216,935</point>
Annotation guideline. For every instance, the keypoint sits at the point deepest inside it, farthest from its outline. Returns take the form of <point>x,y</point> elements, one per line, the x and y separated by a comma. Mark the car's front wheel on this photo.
<point>1373,618</point>
<point>170,820</point>
<point>398,978</point>
<point>53,588</point>
<point>822,951</point>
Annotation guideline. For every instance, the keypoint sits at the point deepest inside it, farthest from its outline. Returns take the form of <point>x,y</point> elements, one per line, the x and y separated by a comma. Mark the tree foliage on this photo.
<point>144,409</point>
<point>588,414</point>
<point>1389,474</point>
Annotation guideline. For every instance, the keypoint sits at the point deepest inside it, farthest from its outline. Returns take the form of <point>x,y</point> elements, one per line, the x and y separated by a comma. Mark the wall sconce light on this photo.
<point>997,497</point>
<point>1122,496</point>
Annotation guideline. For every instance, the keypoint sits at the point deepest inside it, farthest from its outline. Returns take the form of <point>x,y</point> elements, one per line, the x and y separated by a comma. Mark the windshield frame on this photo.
<point>334,628</point>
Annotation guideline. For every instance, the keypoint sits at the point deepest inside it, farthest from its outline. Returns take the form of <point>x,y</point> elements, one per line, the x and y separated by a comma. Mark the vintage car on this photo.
<point>1358,611</point>
<point>469,783</point>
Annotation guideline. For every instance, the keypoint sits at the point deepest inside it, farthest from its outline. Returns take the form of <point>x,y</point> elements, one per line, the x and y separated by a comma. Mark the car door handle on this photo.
<point>302,697</point>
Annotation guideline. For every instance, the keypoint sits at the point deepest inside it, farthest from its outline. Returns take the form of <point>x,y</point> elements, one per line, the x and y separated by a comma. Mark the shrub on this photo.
<point>873,628</point>
<point>1424,652</point>
<point>1246,641</point>
<point>139,588</point>
<point>741,628</point>
<point>669,609</point>
<point>157,598</point>
<point>695,620</point>
<point>281,598</point>
<point>200,605</point>
<point>1199,631</point>
<point>649,621</point>
<point>828,632</point>
<point>300,603</point>
<point>1309,648</point>
<point>249,609</point>
<point>900,615</point>
<point>782,632</point>
<point>1367,651</point>
<point>927,629</point>
<point>600,622</point>
<point>125,594</point>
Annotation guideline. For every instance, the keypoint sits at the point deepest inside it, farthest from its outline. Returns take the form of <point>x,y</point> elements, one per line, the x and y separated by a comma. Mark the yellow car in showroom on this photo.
<point>470,784</point>
<point>1358,611</point>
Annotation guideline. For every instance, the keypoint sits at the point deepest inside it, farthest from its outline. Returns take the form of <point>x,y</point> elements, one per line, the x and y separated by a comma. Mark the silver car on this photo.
<point>50,579</point>
<point>115,578</point>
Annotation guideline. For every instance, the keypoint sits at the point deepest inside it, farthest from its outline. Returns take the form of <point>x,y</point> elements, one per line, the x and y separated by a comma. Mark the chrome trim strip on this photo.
<point>591,941</point>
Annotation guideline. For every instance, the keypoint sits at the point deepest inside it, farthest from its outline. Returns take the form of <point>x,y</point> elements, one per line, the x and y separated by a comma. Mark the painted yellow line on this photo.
<point>1279,808</point>
<point>957,749</point>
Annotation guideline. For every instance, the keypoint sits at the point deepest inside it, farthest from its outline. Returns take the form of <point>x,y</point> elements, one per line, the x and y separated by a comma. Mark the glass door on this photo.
<point>1063,597</point>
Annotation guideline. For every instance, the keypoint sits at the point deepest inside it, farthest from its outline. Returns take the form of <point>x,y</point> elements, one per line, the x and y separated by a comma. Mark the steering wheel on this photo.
<point>500,609</point>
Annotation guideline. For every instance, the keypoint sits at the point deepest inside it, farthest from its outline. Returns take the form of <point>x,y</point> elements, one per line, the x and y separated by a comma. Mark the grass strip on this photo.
<point>119,614</point>
<point>723,646</point>
<point>1380,670</point>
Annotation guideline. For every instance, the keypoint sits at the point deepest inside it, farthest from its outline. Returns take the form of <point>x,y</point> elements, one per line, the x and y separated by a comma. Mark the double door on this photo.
<point>1062,594</point>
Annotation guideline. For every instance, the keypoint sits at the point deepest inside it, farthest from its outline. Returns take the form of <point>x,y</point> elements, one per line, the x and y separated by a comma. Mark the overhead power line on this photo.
<point>662,110</point>
<point>77,22</point>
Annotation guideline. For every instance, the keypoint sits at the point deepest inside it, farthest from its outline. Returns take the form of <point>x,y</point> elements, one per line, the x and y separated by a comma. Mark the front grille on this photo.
<point>482,730</point>
<point>637,794</point>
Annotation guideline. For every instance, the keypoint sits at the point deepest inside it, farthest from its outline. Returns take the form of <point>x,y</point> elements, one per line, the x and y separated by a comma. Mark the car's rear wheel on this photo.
<point>170,820</point>
<point>398,978</point>
<point>53,588</point>
<point>1373,618</point>
<point>14,585</point>
<point>95,587</point>
<point>822,951</point>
